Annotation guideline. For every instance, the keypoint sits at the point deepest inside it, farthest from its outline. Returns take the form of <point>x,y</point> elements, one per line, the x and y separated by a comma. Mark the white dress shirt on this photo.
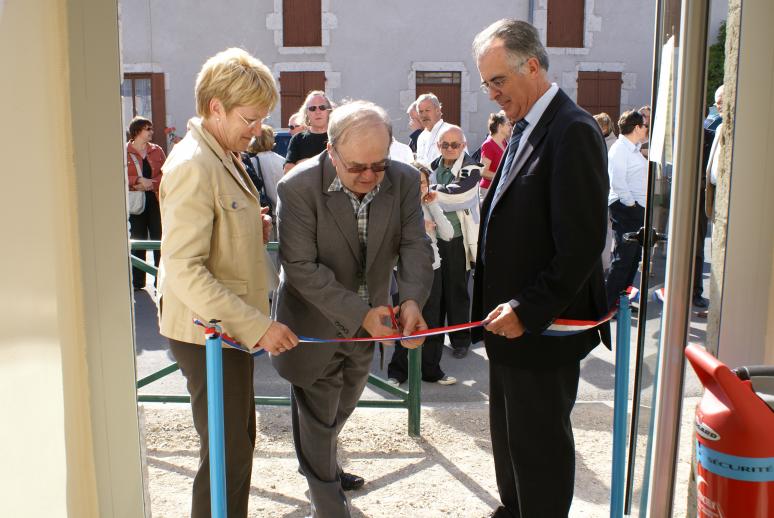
<point>401,152</point>
<point>427,148</point>
<point>533,117</point>
<point>628,171</point>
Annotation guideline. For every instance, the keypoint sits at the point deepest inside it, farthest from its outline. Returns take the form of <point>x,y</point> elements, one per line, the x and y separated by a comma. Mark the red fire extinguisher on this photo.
<point>734,439</point>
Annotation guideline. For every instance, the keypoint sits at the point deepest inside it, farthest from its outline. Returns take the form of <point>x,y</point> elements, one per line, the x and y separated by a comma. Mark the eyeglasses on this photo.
<point>497,83</point>
<point>376,167</point>
<point>453,145</point>
<point>322,107</point>
<point>291,127</point>
<point>252,123</point>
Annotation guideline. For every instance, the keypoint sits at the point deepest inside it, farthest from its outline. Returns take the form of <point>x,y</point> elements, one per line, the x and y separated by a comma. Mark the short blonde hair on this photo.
<point>236,79</point>
<point>265,142</point>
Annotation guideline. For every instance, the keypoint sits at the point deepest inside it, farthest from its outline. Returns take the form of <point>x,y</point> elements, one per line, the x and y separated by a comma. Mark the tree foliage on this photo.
<point>716,64</point>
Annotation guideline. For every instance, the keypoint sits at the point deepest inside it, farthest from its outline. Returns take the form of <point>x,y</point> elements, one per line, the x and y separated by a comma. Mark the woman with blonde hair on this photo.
<point>214,260</point>
<point>314,139</point>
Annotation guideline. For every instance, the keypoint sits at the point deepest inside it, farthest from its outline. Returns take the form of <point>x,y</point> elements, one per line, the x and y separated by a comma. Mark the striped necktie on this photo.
<point>513,146</point>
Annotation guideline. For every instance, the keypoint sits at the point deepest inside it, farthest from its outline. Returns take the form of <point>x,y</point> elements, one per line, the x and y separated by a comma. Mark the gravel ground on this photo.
<point>448,472</point>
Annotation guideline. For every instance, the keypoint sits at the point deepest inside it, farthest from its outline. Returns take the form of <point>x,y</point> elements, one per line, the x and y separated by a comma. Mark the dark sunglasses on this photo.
<point>376,167</point>
<point>293,126</point>
<point>453,145</point>
<point>322,107</point>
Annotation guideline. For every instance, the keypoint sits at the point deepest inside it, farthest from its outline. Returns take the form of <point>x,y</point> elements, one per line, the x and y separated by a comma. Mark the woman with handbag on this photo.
<point>143,160</point>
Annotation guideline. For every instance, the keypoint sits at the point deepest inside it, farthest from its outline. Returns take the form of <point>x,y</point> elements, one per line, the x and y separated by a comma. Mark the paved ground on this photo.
<point>596,391</point>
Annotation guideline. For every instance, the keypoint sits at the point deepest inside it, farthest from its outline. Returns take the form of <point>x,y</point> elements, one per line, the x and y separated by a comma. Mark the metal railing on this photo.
<point>409,399</point>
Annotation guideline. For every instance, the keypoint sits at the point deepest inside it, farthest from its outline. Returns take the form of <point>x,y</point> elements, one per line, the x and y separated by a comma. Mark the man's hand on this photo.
<point>505,322</point>
<point>278,339</point>
<point>266,220</point>
<point>411,321</point>
<point>374,320</point>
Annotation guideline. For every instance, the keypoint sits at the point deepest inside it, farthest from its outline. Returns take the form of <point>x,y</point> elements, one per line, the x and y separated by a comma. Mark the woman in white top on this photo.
<point>628,172</point>
<point>436,226</point>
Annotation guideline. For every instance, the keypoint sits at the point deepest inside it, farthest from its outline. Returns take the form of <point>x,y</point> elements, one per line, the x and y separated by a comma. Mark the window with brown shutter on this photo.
<point>600,92</point>
<point>144,95</point>
<point>294,86</point>
<point>445,86</point>
<point>565,23</point>
<point>302,23</point>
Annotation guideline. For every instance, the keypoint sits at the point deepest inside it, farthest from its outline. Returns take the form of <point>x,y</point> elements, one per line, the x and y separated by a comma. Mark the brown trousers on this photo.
<point>239,424</point>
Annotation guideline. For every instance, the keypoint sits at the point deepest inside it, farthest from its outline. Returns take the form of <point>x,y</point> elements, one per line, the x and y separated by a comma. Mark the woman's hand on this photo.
<point>143,184</point>
<point>430,197</point>
<point>278,339</point>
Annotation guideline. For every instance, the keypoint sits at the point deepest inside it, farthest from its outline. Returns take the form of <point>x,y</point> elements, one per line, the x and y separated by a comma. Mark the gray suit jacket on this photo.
<point>321,259</point>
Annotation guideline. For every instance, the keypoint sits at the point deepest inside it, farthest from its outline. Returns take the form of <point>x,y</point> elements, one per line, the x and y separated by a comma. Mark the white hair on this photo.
<point>719,93</point>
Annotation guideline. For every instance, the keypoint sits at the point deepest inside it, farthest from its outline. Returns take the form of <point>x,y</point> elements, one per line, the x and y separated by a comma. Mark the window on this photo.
<point>143,95</point>
<point>565,23</point>
<point>600,92</point>
<point>302,23</point>
<point>293,89</point>
<point>445,86</point>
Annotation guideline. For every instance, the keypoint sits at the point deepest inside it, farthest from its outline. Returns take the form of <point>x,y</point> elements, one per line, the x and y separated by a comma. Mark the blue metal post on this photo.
<point>215,423</point>
<point>620,409</point>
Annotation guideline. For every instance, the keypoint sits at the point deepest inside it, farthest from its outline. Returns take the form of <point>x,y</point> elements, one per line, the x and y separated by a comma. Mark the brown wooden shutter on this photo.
<point>565,23</point>
<point>445,86</point>
<point>294,86</point>
<point>600,92</point>
<point>159,111</point>
<point>302,23</point>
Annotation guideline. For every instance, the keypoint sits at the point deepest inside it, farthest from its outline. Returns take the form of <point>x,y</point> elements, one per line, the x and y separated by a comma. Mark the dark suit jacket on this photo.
<point>321,259</point>
<point>545,238</point>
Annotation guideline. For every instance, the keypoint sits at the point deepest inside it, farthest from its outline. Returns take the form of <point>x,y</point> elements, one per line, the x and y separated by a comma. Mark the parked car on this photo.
<point>281,140</point>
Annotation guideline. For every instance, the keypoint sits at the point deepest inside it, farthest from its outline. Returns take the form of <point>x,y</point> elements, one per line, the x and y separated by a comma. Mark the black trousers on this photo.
<point>145,226</point>
<point>239,424</point>
<point>532,439</point>
<point>626,256</point>
<point>455,301</point>
<point>432,348</point>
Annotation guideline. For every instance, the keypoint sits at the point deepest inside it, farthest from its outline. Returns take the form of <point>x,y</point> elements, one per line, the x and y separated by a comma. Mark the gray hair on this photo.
<point>520,39</point>
<point>428,97</point>
<point>304,113</point>
<point>412,107</point>
<point>355,116</point>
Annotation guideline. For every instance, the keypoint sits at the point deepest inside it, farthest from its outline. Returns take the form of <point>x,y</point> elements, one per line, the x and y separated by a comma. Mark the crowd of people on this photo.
<point>378,237</point>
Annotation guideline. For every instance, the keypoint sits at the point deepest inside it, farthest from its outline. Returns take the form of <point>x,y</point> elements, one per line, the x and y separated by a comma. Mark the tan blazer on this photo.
<point>213,260</point>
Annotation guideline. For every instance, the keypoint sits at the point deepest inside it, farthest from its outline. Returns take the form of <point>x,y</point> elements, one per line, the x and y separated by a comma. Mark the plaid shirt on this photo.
<point>360,207</point>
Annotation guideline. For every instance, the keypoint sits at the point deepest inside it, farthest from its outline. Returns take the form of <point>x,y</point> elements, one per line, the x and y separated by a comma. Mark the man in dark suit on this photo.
<point>345,218</point>
<point>539,258</point>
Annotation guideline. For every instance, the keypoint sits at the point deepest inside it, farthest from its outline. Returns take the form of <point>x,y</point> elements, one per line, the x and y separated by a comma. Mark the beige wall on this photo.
<point>746,320</point>
<point>69,441</point>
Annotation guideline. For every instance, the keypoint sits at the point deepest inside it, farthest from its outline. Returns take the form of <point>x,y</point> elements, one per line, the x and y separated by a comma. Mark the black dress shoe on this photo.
<point>500,512</point>
<point>700,302</point>
<point>350,482</point>
<point>460,352</point>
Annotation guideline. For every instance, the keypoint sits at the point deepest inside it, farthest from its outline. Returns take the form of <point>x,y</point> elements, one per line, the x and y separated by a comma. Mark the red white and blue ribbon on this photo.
<point>567,327</point>
<point>559,327</point>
